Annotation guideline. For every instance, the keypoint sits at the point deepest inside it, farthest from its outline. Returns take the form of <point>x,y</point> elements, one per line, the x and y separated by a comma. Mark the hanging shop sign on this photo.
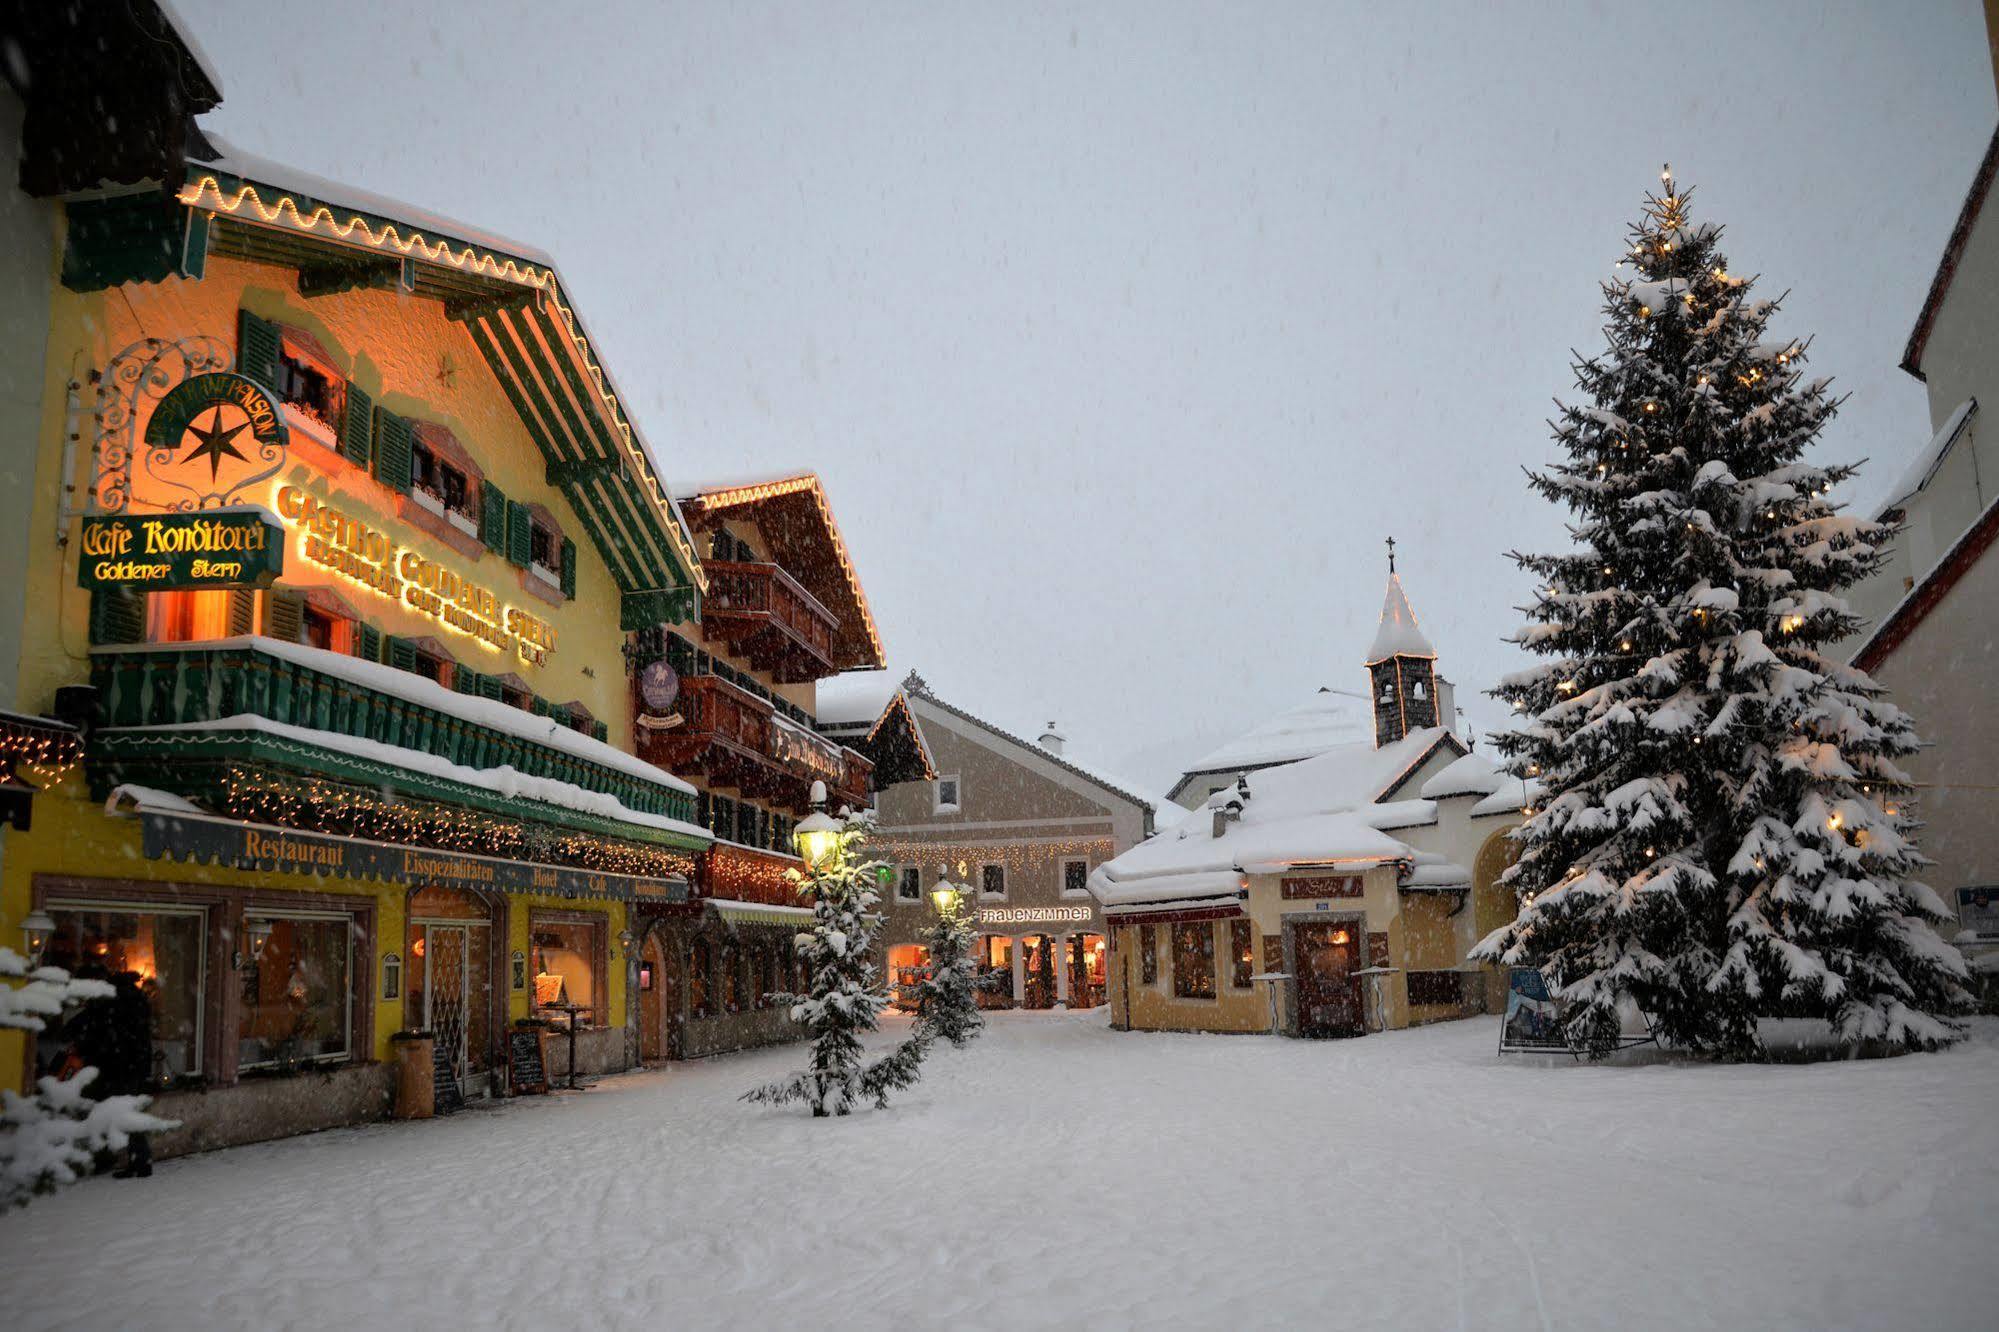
<point>803,752</point>
<point>157,552</point>
<point>336,540</point>
<point>256,846</point>
<point>211,438</point>
<point>1032,915</point>
<point>659,685</point>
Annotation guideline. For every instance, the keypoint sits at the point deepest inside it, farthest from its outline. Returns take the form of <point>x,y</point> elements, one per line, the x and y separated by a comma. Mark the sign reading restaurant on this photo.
<point>351,548</point>
<point>161,551</point>
<point>254,846</point>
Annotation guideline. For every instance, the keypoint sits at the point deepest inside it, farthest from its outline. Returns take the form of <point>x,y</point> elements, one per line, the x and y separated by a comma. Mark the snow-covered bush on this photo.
<point>48,1138</point>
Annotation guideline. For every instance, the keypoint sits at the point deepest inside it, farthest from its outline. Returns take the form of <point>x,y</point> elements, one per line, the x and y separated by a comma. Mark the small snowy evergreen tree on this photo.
<point>947,1002</point>
<point>1724,834</point>
<point>843,1002</point>
<point>48,1138</point>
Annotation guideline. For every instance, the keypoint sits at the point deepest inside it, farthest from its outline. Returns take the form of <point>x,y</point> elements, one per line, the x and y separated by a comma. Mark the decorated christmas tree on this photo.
<point>1721,832</point>
<point>842,1002</point>
<point>947,1001</point>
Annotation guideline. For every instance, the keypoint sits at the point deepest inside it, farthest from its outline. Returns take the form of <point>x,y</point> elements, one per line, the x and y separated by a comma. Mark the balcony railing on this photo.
<point>178,684</point>
<point>732,737</point>
<point>762,613</point>
<point>745,874</point>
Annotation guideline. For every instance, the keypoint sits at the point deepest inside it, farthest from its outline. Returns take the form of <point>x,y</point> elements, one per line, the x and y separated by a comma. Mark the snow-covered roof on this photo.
<point>1330,717</point>
<point>1512,794</point>
<point>1471,775</point>
<point>1432,872</point>
<point>1916,476</point>
<point>1317,812</point>
<point>238,162</point>
<point>1399,634</point>
<point>857,699</point>
<point>915,687</point>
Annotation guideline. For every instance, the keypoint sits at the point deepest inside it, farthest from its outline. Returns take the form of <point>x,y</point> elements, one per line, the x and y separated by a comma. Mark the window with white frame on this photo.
<point>992,880</point>
<point>947,793</point>
<point>1075,878</point>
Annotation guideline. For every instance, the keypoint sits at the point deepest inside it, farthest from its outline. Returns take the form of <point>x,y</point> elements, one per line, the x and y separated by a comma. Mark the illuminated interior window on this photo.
<point>187,616</point>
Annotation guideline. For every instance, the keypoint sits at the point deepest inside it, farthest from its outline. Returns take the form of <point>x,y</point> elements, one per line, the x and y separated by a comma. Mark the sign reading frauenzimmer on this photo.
<point>1031,915</point>
<point>256,846</point>
<point>156,552</point>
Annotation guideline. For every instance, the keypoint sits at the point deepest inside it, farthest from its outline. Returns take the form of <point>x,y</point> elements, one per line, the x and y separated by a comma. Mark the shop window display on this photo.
<point>569,967</point>
<point>1194,960</point>
<point>162,951</point>
<point>297,993</point>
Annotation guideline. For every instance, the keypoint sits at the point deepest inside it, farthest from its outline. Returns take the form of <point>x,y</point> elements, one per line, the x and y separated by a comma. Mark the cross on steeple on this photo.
<point>1391,554</point>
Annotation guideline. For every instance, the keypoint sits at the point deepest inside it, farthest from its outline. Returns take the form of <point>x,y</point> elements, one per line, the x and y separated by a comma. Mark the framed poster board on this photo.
<point>1533,1018</point>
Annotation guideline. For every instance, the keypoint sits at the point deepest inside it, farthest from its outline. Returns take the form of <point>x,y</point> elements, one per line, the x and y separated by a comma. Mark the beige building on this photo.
<point>1932,613</point>
<point>1023,822</point>
<point>1328,897</point>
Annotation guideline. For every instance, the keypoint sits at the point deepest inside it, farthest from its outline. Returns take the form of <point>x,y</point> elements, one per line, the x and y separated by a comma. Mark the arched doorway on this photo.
<point>451,988</point>
<point>908,967</point>
<point>652,996</point>
<point>1038,971</point>
<point>1493,904</point>
<point>1086,964</point>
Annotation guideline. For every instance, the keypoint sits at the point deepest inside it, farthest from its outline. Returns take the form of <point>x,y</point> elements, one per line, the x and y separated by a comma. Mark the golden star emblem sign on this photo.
<point>217,440</point>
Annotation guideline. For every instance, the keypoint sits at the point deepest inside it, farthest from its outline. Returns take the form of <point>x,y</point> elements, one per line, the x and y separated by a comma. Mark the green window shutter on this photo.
<point>242,613</point>
<point>284,616</point>
<point>401,653</point>
<point>368,643</point>
<point>493,517</point>
<point>558,714</point>
<point>257,343</point>
<point>357,427</point>
<point>117,615</point>
<point>392,450</point>
<point>489,687</point>
<point>569,568</point>
<point>538,706</point>
<point>464,680</point>
<point>520,533</point>
<point>600,731</point>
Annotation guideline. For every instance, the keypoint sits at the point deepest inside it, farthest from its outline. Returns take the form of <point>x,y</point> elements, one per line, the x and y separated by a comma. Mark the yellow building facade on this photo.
<point>323,727</point>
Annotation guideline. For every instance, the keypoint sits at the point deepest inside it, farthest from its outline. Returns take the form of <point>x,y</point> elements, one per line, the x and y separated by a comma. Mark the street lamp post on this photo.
<point>36,927</point>
<point>817,836</point>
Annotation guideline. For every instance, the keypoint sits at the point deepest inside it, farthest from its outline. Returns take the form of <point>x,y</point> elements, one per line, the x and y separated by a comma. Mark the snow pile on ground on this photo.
<point>1059,1174</point>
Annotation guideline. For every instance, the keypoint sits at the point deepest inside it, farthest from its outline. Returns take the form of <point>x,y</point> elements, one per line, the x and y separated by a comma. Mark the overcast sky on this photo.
<point>1123,334</point>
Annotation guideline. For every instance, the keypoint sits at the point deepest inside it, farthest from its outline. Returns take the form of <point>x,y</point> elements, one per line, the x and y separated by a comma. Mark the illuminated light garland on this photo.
<point>737,496</point>
<point>42,753</point>
<point>207,194</point>
<point>316,805</point>
<point>1015,855</point>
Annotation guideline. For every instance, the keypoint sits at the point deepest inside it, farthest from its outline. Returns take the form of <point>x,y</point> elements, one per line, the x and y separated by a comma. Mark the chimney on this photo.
<point>1051,740</point>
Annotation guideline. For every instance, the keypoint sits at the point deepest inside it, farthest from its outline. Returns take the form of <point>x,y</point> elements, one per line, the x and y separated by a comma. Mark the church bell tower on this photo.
<point>1402,667</point>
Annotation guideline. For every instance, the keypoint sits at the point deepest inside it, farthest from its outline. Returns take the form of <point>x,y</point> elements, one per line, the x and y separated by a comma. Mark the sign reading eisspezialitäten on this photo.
<point>157,552</point>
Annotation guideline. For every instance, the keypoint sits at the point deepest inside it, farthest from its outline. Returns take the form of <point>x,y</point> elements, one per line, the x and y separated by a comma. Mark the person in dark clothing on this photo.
<point>115,1036</point>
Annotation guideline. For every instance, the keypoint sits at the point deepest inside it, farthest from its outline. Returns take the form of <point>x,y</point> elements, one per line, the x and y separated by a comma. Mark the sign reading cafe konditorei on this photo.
<point>255,846</point>
<point>161,551</point>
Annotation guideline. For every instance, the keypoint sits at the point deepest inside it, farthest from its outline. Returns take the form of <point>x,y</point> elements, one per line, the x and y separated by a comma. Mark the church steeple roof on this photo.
<point>1399,634</point>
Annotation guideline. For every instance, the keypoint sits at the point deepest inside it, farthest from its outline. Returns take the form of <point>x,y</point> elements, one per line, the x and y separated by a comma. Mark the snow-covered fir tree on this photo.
<point>842,1002</point>
<point>1723,833</point>
<point>49,1137</point>
<point>947,1001</point>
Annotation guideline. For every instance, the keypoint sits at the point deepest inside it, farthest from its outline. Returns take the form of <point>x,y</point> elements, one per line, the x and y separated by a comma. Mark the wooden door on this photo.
<point>652,1013</point>
<point>1329,1001</point>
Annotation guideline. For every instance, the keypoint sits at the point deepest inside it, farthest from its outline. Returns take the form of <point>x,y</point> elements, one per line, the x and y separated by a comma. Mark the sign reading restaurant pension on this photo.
<point>155,552</point>
<point>1031,915</point>
<point>351,548</point>
<point>256,846</point>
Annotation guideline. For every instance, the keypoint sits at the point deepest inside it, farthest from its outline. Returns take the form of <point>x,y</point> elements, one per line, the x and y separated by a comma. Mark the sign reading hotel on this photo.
<point>1031,915</point>
<point>163,551</point>
<point>351,548</point>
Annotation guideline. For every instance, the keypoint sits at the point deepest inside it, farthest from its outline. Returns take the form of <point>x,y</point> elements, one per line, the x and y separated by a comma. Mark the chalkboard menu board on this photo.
<point>525,1075</point>
<point>446,1096</point>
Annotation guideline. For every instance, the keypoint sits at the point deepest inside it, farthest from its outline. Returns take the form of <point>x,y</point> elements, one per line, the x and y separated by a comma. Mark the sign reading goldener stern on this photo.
<point>157,552</point>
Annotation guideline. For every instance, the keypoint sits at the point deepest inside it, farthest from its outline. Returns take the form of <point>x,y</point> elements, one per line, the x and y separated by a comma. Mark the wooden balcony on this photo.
<point>733,740</point>
<point>744,874</point>
<point>181,684</point>
<point>764,616</point>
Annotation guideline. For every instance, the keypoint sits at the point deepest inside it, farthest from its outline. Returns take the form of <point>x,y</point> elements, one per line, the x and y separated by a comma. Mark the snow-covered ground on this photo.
<point>1061,1174</point>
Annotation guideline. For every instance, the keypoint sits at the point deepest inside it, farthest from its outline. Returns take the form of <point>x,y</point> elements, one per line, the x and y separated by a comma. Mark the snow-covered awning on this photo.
<point>1181,910</point>
<point>759,913</point>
